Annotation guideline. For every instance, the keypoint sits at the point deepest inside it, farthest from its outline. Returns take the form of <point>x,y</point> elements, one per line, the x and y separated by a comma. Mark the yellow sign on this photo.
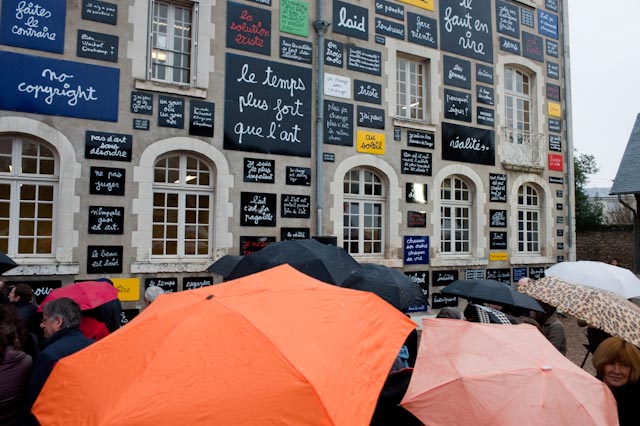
<point>424,4</point>
<point>500,255</point>
<point>370,142</point>
<point>128,289</point>
<point>554,109</point>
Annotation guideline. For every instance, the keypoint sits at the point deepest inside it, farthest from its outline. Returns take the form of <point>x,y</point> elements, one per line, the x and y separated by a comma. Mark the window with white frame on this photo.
<point>518,104</point>
<point>411,88</point>
<point>363,212</point>
<point>182,206</point>
<point>455,216</point>
<point>529,211</point>
<point>172,39</point>
<point>29,175</point>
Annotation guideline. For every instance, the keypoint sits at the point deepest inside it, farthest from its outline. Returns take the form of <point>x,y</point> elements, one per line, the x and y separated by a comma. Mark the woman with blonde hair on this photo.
<point>617,364</point>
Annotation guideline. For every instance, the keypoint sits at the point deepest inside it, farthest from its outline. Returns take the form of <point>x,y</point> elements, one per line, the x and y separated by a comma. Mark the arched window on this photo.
<point>182,206</point>
<point>363,217</point>
<point>29,178</point>
<point>455,216</point>
<point>518,105</point>
<point>528,219</point>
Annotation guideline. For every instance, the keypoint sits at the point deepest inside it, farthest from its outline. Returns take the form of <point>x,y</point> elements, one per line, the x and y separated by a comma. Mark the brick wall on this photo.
<point>605,243</point>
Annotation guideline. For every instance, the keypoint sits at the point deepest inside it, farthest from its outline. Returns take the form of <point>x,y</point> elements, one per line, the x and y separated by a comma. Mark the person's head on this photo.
<point>13,331</point>
<point>21,293</point>
<point>151,293</point>
<point>615,262</point>
<point>60,314</point>
<point>452,313</point>
<point>617,362</point>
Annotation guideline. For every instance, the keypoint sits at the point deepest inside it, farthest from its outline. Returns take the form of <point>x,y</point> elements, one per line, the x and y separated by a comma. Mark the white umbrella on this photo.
<point>598,275</point>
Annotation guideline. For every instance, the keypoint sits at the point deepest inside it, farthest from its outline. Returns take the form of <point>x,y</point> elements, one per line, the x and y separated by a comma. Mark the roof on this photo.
<point>627,181</point>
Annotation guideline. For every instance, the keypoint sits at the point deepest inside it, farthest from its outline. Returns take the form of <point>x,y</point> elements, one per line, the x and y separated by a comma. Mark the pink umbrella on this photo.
<point>87,294</point>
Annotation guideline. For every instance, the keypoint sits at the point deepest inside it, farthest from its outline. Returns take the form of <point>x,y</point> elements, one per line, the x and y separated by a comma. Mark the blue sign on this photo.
<point>519,273</point>
<point>36,24</point>
<point>547,24</point>
<point>54,87</point>
<point>416,250</point>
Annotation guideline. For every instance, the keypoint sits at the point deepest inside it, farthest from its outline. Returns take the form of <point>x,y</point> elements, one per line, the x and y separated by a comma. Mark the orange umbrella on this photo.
<point>276,347</point>
<point>496,375</point>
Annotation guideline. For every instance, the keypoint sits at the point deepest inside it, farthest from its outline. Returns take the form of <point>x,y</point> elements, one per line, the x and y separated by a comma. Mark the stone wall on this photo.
<point>605,243</point>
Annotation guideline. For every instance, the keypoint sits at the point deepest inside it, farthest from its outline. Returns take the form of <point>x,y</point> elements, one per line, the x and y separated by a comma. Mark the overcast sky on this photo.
<point>605,68</point>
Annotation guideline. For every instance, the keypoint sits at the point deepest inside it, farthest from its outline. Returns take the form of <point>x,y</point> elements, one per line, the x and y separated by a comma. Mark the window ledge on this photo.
<point>458,261</point>
<point>170,266</point>
<point>413,124</point>
<point>52,268</point>
<point>531,259</point>
<point>529,3</point>
<point>156,86</point>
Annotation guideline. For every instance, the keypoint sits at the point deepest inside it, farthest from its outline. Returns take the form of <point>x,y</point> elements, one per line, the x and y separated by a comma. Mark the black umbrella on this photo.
<point>6,263</point>
<point>390,284</point>
<point>324,262</point>
<point>491,291</point>
<point>224,265</point>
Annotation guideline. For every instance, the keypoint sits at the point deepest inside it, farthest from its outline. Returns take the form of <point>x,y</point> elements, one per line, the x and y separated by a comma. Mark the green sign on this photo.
<point>294,17</point>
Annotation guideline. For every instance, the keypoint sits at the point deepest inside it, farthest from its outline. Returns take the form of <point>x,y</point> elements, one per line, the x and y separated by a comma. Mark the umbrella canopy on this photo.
<point>599,275</point>
<point>277,347</point>
<point>491,291</point>
<point>224,265</point>
<point>390,284</point>
<point>491,375</point>
<point>6,263</point>
<point>602,309</point>
<point>87,294</point>
<point>324,262</point>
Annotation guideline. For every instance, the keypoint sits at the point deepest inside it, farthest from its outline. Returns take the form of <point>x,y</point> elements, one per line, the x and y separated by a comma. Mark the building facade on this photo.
<point>144,139</point>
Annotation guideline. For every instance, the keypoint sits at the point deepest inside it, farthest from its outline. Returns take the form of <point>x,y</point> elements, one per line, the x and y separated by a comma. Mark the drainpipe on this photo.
<point>321,27</point>
<point>635,231</point>
<point>571,199</point>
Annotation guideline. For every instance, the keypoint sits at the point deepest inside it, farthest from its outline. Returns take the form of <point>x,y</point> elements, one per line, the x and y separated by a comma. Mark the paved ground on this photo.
<point>575,340</point>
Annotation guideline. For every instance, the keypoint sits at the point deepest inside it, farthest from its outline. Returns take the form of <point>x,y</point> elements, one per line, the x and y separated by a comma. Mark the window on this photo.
<point>28,191</point>
<point>182,206</point>
<point>518,105</point>
<point>411,88</point>
<point>172,42</point>
<point>455,216</point>
<point>363,212</point>
<point>528,219</point>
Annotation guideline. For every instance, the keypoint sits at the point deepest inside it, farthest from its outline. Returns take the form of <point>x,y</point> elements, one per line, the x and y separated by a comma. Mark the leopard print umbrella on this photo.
<point>602,309</point>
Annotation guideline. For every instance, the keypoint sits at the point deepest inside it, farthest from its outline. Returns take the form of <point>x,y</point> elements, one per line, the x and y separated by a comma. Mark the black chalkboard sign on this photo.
<point>468,144</point>
<point>519,273</point>
<point>474,274</point>
<point>328,157</point>
<point>201,118</point>
<point>248,28</point>
<point>442,278</point>
<point>484,73</point>
<point>498,187</point>
<point>497,240</point>
<point>257,209</point>
<point>397,134</point>
<point>553,70</point>
<point>380,39</point>
<point>421,278</point>
<point>465,28</point>
<point>422,30</point>
<point>509,45</point>
<point>106,181</point>
<point>559,259</point>
<point>300,176</point>
<point>527,17</point>
<point>484,95</point>
<point>100,11</point>
<point>556,179</point>
<point>372,118</point>
<point>366,91</point>
<point>295,206</point>
<point>498,218</point>
<point>552,48</point>
<point>457,72</point>
<point>294,234</point>
<point>296,50</point>
<point>507,18</point>
<point>249,245</point>
<point>259,170</point>
<point>485,117</point>
<point>532,46</point>
<point>555,143</point>
<point>502,275</point>
<point>107,146</point>
<point>392,10</point>
<point>104,259</point>
<point>338,123</point>
<point>140,124</point>
<point>191,283</point>
<point>106,220</point>
<point>41,288</point>
<point>416,250</point>
<point>333,53</point>
<point>103,47</point>
<point>551,5</point>
<point>559,206</point>
<point>364,60</point>
<point>267,107</point>
<point>170,112</point>
<point>127,315</point>
<point>555,125</point>
<point>560,232</point>
<point>457,105</point>
<point>439,301</point>
<point>559,193</point>
<point>553,92</point>
<point>416,193</point>
<point>416,163</point>
<point>536,272</point>
<point>416,219</point>
<point>420,139</point>
<point>350,20</point>
<point>168,285</point>
<point>142,103</point>
<point>560,219</point>
<point>390,28</point>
